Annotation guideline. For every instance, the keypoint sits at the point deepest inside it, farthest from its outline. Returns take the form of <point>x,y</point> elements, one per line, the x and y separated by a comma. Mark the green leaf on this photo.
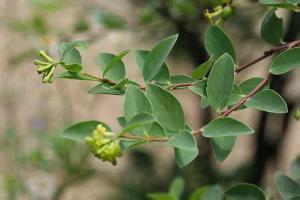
<point>220,82</point>
<point>157,56</point>
<point>201,71</point>
<point>163,76</point>
<point>104,88</point>
<point>236,95</point>
<point>156,130</point>
<point>245,191</point>
<point>295,169</point>
<point>248,85</point>
<point>178,79</point>
<point>278,4</point>
<point>222,147</point>
<point>81,130</point>
<point>183,140</point>
<point>287,187</point>
<point>135,102</point>
<point>214,36</point>
<point>71,60</point>
<point>75,76</point>
<point>199,88</point>
<point>166,108</point>
<point>64,47</point>
<point>208,193</point>
<point>138,121</point>
<point>286,61</point>
<point>267,100</point>
<point>112,66</point>
<point>129,144</point>
<point>225,126</point>
<point>272,28</point>
<point>183,157</point>
<point>177,187</point>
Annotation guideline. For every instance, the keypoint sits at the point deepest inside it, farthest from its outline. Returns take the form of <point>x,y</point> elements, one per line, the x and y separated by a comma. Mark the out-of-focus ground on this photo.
<point>29,109</point>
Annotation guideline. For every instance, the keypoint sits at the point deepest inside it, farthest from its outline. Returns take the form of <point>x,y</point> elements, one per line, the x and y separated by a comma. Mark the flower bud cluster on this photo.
<point>297,114</point>
<point>219,14</point>
<point>104,145</point>
<point>46,67</point>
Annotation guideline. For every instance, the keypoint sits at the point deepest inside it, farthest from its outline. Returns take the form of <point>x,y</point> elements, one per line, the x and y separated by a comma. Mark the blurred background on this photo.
<point>37,164</point>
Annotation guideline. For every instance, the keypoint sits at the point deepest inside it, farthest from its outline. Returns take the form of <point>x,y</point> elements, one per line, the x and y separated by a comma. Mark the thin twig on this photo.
<point>244,99</point>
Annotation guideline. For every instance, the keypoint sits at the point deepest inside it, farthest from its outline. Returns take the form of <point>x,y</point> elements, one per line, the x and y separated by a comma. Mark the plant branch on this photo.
<point>268,53</point>
<point>244,99</point>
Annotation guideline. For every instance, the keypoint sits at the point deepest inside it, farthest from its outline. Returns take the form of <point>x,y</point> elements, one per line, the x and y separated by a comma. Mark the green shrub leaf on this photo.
<point>287,187</point>
<point>225,126</point>
<point>208,193</point>
<point>286,61</point>
<point>272,28</point>
<point>248,85</point>
<point>81,130</point>
<point>135,102</point>
<point>183,140</point>
<point>214,36</point>
<point>201,71</point>
<point>267,100</point>
<point>157,56</point>
<point>112,66</point>
<point>220,82</point>
<point>166,108</point>
<point>222,146</point>
<point>183,156</point>
<point>245,191</point>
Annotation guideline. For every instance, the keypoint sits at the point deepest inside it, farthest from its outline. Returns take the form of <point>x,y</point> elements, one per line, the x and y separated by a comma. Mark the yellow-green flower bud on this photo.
<point>104,145</point>
<point>38,62</point>
<point>44,55</point>
<point>45,68</point>
<point>297,114</point>
<point>47,78</point>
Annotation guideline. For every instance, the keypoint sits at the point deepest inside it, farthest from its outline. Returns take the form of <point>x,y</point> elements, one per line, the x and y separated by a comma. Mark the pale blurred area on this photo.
<point>35,164</point>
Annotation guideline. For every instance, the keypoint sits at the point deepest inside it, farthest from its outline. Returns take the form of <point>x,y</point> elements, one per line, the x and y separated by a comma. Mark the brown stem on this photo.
<point>272,51</point>
<point>244,99</point>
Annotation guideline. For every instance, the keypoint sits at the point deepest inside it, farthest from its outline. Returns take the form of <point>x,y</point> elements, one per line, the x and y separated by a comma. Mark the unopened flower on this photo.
<point>46,67</point>
<point>104,145</point>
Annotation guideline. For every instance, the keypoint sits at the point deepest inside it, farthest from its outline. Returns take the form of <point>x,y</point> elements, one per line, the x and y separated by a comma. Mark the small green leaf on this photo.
<point>236,95</point>
<point>199,88</point>
<point>71,60</point>
<point>244,191</point>
<point>295,169</point>
<point>104,88</point>
<point>138,121</point>
<point>278,4</point>
<point>129,144</point>
<point>112,65</point>
<point>220,82</point>
<point>64,47</point>
<point>81,130</point>
<point>272,28</point>
<point>156,130</point>
<point>225,126</point>
<point>178,79</point>
<point>75,76</point>
<point>214,36</point>
<point>267,100</point>
<point>157,56</point>
<point>208,193</point>
<point>177,187</point>
<point>163,76</point>
<point>287,187</point>
<point>201,71</point>
<point>166,108</point>
<point>286,61</point>
<point>248,85</point>
<point>222,147</point>
<point>135,102</point>
<point>183,157</point>
<point>183,140</point>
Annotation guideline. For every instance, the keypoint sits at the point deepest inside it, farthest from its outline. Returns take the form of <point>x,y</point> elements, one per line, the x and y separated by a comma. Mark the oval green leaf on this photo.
<point>272,28</point>
<point>157,56</point>
<point>225,126</point>
<point>286,61</point>
<point>268,101</point>
<point>222,146</point>
<point>220,82</point>
<point>244,191</point>
<point>218,43</point>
